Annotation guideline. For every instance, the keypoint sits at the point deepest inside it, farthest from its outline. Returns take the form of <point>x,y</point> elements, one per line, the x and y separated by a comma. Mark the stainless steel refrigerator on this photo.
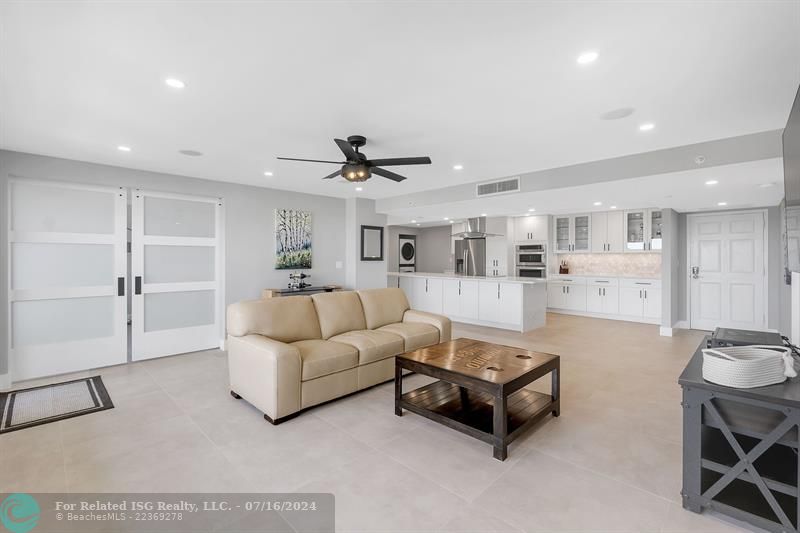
<point>471,257</point>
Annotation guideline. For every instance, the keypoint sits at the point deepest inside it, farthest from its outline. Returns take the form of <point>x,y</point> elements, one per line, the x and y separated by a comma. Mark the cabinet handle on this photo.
<point>120,286</point>
<point>567,289</point>
<point>426,285</point>
<point>137,283</point>
<point>459,288</point>
<point>498,291</point>
<point>640,293</point>
<point>604,291</point>
<point>645,294</point>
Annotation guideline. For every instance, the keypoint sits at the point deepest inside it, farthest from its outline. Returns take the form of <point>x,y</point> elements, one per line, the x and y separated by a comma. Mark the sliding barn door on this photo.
<point>177,272</point>
<point>67,265</point>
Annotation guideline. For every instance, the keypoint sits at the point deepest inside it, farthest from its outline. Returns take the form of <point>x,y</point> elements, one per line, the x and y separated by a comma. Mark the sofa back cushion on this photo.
<point>383,306</point>
<point>339,312</point>
<point>286,319</point>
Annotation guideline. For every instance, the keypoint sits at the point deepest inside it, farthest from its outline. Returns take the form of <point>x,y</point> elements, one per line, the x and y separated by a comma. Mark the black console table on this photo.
<point>276,293</point>
<point>740,449</point>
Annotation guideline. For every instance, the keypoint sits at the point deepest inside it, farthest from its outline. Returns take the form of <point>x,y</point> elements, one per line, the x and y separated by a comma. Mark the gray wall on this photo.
<point>363,274</point>
<point>249,223</point>
<point>777,292</point>
<point>433,249</point>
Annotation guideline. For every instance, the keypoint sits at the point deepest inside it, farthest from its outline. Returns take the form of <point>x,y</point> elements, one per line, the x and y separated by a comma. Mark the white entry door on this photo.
<point>67,264</point>
<point>177,271</point>
<point>727,271</point>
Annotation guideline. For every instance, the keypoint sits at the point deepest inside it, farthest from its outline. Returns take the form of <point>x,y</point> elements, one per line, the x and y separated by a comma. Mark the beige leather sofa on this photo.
<point>288,354</point>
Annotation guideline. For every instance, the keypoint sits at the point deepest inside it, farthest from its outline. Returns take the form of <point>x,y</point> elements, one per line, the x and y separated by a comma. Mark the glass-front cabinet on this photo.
<point>563,234</point>
<point>643,230</point>
<point>582,234</point>
<point>573,233</point>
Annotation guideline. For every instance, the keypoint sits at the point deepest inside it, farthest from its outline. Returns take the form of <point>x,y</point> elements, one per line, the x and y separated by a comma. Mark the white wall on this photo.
<point>249,224</point>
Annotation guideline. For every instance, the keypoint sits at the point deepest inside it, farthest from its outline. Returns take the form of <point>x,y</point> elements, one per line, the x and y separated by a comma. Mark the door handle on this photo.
<point>137,285</point>
<point>120,286</point>
<point>695,272</point>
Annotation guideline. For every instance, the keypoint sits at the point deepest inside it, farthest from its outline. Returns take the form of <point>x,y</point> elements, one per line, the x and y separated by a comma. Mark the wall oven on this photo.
<point>531,255</point>
<point>531,272</point>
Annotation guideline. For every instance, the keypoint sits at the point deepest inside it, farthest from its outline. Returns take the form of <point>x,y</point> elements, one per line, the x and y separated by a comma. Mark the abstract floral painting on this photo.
<point>292,239</point>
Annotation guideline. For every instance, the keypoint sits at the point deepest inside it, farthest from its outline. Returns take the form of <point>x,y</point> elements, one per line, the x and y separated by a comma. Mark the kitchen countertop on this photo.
<point>617,276</point>
<point>510,279</point>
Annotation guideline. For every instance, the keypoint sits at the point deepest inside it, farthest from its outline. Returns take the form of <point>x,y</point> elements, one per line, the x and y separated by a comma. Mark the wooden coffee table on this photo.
<point>480,389</point>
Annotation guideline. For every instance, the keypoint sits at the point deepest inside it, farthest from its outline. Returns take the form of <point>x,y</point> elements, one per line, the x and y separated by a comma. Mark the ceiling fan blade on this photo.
<point>311,160</point>
<point>387,174</point>
<point>333,175</point>
<point>401,161</point>
<point>347,150</point>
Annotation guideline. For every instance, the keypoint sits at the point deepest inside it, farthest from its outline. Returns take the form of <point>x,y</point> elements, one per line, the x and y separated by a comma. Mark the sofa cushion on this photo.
<point>415,334</point>
<point>372,345</point>
<point>321,358</point>
<point>383,306</point>
<point>338,312</point>
<point>287,319</point>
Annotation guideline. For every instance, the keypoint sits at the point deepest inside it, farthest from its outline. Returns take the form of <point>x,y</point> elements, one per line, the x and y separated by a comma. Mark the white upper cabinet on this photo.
<point>531,228</point>
<point>572,233</point>
<point>643,230</point>
<point>607,232</point>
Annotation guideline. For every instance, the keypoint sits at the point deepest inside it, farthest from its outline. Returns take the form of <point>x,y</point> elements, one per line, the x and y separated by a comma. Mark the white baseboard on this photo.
<point>665,332</point>
<point>623,318</point>
<point>5,381</point>
<point>222,344</point>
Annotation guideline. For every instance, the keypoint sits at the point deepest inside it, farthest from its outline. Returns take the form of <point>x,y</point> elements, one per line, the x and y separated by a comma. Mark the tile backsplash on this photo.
<point>634,265</point>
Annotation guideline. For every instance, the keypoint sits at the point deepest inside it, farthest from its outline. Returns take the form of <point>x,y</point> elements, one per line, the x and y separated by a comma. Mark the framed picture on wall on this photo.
<point>292,239</point>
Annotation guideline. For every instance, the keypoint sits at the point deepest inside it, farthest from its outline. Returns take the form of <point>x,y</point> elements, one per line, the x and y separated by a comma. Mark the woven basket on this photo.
<point>745,367</point>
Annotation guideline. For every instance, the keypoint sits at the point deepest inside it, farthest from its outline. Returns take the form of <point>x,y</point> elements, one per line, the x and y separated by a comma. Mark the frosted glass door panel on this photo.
<point>634,230</point>
<point>582,237</point>
<point>168,264</point>
<point>44,208</point>
<point>35,265</point>
<point>655,230</point>
<point>53,321</point>
<point>562,234</point>
<point>179,218</point>
<point>172,310</point>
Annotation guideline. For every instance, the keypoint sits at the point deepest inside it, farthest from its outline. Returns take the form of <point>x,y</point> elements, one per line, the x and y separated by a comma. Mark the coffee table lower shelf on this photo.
<point>472,412</point>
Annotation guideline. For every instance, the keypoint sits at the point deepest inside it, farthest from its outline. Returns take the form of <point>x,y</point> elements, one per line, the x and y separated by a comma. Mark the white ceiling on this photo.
<point>744,185</point>
<point>490,85</point>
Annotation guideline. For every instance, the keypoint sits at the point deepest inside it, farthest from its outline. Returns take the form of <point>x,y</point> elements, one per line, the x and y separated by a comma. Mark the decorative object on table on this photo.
<point>372,243</point>
<point>747,367</point>
<point>305,291</point>
<point>296,280</point>
<point>563,268</point>
<point>35,406</point>
<point>292,239</point>
<point>723,337</point>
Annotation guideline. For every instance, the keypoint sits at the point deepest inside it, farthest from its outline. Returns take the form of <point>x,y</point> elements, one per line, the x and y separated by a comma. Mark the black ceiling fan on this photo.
<point>357,167</point>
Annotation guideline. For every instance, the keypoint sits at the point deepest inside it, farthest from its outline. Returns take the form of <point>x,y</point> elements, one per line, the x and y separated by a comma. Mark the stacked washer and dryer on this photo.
<point>408,253</point>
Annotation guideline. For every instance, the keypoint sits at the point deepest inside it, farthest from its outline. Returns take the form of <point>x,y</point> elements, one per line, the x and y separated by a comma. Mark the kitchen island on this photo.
<point>517,304</point>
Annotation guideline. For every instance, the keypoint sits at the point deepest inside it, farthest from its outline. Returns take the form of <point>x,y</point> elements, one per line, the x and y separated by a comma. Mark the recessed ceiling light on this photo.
<point>175,83</point>
<point>612,207</point>
<point>712,182</point>
<point>598,203</point>
<point>483,214</point>
<point>458,167</point>
<point>647,126</point>
<point>124,148</point>
<point>700,159</point>
<point>359,189</point>
<point>722,204</point>
<point>447,218</point>
<point>268,173</point>
<point>452,221</point>
<point>190,153</point>
<point>413,221</point>
<point>587,57</point>
<point>766,185</point>
<point>417,224</point>
<point>531,210</point>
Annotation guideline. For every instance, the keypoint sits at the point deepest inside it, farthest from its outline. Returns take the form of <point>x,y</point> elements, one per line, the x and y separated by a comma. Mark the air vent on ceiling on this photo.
<point>498,187</point>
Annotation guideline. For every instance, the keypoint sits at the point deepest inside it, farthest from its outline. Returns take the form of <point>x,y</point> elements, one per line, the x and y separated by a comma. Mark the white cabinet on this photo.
<point>602,296</point>
<point>640,298</point>
<point>607,232</point>
<point>428,294</point>
<point>531,228</point>
<point>496,256</point>
<point>460,299</point>
<point>408,286</point>
<point>567,293</point>
<point>643,230</point>
<point>572,233</point>
<point>500,302</point>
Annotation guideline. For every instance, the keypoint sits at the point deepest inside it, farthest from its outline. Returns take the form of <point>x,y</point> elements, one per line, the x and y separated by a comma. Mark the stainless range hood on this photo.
<point>475,229</point>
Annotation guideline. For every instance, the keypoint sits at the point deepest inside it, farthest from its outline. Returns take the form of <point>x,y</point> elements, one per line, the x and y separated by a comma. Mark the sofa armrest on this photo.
<point>440,322</point>
<point>266,373</point>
